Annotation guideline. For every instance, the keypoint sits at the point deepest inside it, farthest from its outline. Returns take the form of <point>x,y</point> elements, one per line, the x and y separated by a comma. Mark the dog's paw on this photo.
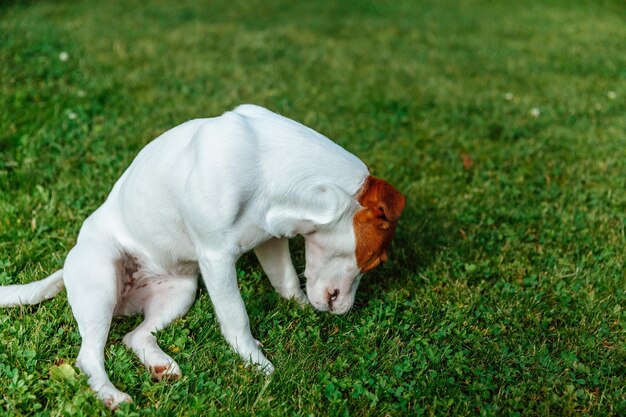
<point>112,397</point>
<point>298,295</point>
<point>168,371</point>
<point>257,359</point>
<point>293,293</point>
<point>267,368</point>
<point>302,299</point>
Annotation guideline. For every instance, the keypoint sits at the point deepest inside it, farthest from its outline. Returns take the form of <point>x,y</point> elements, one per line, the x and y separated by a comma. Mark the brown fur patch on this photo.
<point>159,373</point>
<point>375,222</point>
<point>159,369</point>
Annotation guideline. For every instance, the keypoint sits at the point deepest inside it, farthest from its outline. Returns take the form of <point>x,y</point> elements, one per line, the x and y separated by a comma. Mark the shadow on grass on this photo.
<point>422,233</point>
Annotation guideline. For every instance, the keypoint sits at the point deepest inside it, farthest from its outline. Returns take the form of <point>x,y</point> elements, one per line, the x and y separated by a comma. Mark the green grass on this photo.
<point>505,293</point>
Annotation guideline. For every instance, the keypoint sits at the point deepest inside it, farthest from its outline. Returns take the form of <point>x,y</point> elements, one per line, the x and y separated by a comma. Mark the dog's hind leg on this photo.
<point>91,281</point>
<point>162,300</point>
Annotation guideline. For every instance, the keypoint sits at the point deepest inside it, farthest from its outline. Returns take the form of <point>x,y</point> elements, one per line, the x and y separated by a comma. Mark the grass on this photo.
<point>503,122</point>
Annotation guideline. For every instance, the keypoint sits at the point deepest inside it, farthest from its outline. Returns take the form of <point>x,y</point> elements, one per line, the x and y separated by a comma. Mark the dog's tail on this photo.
<point>32,293</point>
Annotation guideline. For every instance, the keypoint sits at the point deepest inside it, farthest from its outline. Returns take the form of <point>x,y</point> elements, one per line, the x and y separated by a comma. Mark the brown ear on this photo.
<point>384,200</point>
<point>375,223</point>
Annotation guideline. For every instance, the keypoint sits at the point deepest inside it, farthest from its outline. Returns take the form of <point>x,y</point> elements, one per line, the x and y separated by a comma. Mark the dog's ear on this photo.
<point>307,210</point>
<point>375,223</point>
<point>383,202</point>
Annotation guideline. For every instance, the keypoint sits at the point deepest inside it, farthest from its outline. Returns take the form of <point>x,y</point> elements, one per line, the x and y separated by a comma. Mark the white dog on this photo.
<point>192,202</point>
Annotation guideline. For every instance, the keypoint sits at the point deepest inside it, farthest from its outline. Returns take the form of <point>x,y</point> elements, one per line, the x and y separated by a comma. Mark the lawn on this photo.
<point>504,124</point>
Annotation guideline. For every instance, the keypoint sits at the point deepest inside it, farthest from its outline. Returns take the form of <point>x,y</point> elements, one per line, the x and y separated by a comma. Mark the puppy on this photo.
<point>191,203</point>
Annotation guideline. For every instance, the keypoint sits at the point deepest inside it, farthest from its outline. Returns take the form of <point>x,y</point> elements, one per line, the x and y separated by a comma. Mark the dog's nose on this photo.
<point>332,296</point>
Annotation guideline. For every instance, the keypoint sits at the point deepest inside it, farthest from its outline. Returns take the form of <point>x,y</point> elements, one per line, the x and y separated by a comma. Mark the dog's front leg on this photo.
<point>276,262</point>
<point>220,279</point>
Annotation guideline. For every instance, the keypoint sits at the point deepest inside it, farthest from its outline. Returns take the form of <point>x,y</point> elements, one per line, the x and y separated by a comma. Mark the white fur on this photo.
<point>32,293</point>
<point>193,201</point>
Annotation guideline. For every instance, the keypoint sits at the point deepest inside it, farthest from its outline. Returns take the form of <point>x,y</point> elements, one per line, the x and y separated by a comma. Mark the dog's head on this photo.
<point>339,254</point>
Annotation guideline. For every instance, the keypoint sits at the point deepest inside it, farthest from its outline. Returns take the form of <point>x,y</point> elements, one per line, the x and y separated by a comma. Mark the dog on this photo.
<point>191,203</point>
